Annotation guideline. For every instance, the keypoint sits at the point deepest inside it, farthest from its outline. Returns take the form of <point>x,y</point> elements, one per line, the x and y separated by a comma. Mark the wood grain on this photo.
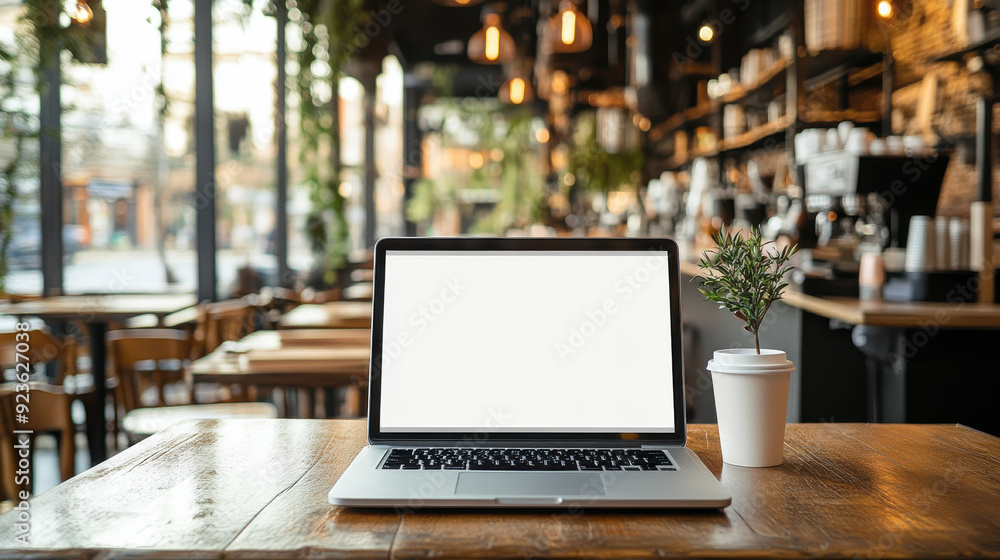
<point>257,489</point>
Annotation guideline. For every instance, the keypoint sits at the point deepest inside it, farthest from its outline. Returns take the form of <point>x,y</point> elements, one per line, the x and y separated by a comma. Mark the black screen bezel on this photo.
<point>376,436</point>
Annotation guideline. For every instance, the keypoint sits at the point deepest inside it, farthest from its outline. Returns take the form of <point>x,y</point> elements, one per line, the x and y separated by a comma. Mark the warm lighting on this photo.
<point>571,28</point>
<point>491,44</point>
<point>705,33</point>
<point>458,3</point>
<point>885,9</point>
<point>516,91</point>
<point>560,82</point>
<point>475,160</point>
<point>644,124</point>
<point>542,135</point>
<point>568,27</point>
<point>82,13</point>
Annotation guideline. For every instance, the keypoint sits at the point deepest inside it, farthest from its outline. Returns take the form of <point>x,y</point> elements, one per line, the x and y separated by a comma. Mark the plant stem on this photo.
<point>756,342</point>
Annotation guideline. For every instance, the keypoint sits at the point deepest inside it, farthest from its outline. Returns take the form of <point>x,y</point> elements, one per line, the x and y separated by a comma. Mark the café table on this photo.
<point>293,338</point>
<point>306,359</point>
<point>332,315</point>
<point>96,311</point>
<point>232,489</point>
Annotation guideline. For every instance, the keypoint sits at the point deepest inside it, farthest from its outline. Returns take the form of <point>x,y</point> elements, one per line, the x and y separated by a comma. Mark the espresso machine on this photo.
<point>863,202</point>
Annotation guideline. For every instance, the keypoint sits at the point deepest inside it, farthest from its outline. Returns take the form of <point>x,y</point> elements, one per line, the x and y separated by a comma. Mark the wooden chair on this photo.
<point>146,361</point>
<point>48,402</point>
<point>275,301</point>
<point>223,321</point>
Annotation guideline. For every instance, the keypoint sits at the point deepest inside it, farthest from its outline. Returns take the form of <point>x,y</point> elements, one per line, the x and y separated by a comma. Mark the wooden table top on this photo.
<point>257,489</point>
<point>263,359</point>
<point>913,314</point>
<point>105,306</point>
<point>333,315</point>
<point>298,338</point>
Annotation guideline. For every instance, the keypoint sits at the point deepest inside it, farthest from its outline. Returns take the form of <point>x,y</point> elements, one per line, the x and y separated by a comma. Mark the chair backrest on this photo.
<point>139,357</point>
<point>37,347</point>
<point>222,321</point>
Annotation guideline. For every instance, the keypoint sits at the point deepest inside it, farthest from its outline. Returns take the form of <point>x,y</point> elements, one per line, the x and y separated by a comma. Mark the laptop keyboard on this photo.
<point>490,459</point>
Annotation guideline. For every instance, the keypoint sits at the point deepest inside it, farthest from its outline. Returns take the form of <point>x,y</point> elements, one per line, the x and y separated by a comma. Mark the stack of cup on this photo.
<point>920,250</point>
<point>942,243</point>
<point>958,230</point>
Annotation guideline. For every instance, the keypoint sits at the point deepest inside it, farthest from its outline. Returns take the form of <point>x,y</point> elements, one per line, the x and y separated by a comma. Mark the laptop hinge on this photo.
<point>658,446</point>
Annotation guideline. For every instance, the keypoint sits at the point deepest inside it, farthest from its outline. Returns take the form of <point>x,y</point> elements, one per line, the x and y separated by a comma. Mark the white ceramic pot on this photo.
<point>751,399</point>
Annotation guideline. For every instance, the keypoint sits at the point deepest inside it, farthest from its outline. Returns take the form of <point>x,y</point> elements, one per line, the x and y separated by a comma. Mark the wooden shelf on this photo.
<point>819,118</point>
<point>755,135</point>
<point>989,42</point>
<point>678,120</point>
<point>744,140</point>
<point>767,77</point>
<point>674,162</point>
<point>823,67</point>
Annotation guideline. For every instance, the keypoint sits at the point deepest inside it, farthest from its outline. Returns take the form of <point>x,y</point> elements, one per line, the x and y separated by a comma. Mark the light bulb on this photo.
<point>492,43</point>
<point>82,13</point>
<point>706,33</point>
<point>570,31</point>
<point>885,9</point>
<point>517,91</point>
<point>568,27</point>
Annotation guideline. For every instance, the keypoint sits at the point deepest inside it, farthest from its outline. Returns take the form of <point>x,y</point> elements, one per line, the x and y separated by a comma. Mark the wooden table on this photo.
<point>257,489</point>
<point>305,359</point>
<point>333,315</point>
<point>297,338</point>
<point>96,311</point>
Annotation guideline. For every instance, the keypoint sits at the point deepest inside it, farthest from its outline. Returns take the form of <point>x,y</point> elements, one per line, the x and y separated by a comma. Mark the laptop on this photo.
<point>526,372</point>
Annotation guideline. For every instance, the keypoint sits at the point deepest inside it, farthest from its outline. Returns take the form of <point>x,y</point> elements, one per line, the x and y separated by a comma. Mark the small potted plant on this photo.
<point>745,275</point>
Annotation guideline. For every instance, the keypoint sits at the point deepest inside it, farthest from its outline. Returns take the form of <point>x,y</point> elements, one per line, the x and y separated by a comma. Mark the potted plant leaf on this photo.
<point>745,275</point>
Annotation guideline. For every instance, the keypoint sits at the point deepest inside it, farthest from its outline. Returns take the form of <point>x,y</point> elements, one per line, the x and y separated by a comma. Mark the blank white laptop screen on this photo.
<point>524,341</point>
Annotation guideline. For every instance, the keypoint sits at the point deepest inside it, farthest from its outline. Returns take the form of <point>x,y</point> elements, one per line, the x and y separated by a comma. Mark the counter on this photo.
<point>858,360</point>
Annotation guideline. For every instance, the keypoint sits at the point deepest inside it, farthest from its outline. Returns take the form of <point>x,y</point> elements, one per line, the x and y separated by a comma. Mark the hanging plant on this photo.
<point>15,131</point>
<point>598,170</point>
<point>327,28</point>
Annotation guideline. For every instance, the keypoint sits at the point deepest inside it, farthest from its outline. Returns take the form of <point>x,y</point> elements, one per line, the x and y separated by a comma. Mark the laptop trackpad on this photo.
<point>530,484</point>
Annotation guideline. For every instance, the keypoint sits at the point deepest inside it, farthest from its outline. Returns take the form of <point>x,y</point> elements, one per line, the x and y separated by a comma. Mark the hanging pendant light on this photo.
<point>82,13</point>
<point>491,44</point>
<point>570,30</point>
<point>517,90</point>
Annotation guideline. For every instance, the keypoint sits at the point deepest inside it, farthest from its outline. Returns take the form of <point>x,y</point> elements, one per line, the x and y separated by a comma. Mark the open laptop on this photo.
<point>524,372</point>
